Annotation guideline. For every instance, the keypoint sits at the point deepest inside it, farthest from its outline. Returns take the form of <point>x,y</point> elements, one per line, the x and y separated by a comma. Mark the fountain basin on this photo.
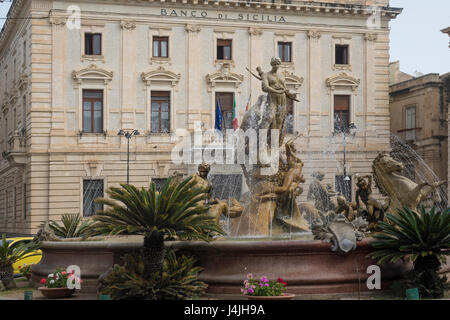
<point>93,257</point>
<point>307,266</point>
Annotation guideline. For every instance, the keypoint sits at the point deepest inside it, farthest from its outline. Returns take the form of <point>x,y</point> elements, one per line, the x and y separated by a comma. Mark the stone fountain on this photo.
<point>330,256</point>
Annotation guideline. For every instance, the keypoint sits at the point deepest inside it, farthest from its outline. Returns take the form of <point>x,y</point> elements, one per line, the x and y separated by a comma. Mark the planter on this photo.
<point>56,293</point>
<point>7,277</point>
<point>285,296</point>
<point>93,257</point>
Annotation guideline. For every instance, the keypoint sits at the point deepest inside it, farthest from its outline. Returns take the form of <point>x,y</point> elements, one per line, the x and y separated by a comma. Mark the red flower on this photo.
<point>43,281</point>
<point>20,267</point>
<point>280,280</point>
<point>63,273</point>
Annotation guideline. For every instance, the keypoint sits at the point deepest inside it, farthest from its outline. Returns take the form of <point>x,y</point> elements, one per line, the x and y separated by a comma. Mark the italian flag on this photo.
<point>235,119</point>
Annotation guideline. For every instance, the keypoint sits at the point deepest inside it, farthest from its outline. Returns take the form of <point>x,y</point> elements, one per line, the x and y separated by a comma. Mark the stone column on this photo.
<point>314,84</point>
<point>128,74</point>
<point>255,60</point>
<point>369,84</point>
<point>58,75</point>
<point>193,76</point>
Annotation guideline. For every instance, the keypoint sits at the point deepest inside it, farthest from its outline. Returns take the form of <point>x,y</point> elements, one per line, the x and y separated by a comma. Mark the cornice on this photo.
<point>275,6</point>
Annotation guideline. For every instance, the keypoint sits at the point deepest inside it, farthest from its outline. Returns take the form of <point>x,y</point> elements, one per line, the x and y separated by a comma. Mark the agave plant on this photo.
<point>424,238</point>
<point>177,281</point>
<point>174,212</point>
<point>72,226</point>
<point>10,255</point>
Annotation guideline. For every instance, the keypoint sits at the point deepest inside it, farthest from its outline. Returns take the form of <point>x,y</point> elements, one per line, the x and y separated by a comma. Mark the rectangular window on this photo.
<point>410,125</point>
<point>92,111</point>
<point>341,54</point>
<point>159,183</point>
<point>161,47</point>
<point>93,44</point>
<point>25,208</point>
<point>24,52</point>
<point>226,186</point>
<point>24,114</point>
<point>290,116</point>
<point>224,49</point>
<point>344,187</point>
<point>410,171</point>
<point>5,205</point>
<point>285,51</point>
<point>92,189</point>
<point>14,203</point>
<point>160,111</point>
<point>225,100</point>
<point>341,113</point>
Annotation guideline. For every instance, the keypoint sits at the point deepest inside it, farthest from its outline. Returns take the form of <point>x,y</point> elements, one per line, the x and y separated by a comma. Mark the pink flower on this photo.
<point>43,281</point>
<point>63,273</point>
<point>250,290</point>
<point>249,276</point>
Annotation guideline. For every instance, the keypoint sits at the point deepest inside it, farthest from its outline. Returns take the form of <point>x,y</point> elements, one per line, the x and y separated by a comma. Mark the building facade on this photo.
<point>68,86</point>
<point>419,108</point>
<point>447,31</point>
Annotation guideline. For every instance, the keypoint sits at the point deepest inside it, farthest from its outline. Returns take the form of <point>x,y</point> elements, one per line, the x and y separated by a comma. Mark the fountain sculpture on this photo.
<point>336,263</point>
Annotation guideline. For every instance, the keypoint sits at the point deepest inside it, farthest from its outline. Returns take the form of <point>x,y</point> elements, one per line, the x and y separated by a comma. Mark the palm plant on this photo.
<point>179,279</point>
<point>72,226</point>
<point>422,236</point>
<point>175,212</point>
<point>10,255</point>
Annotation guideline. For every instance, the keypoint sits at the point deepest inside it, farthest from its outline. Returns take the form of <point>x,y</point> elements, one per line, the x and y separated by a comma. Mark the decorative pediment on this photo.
<point>92,73</point>
<point>292,80</point>
<point>161,75</point>
<point>224,77</point>
<point>342,80</point>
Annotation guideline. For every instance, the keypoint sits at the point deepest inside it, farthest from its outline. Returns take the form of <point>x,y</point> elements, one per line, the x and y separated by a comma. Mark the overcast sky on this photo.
<point>416,39</point>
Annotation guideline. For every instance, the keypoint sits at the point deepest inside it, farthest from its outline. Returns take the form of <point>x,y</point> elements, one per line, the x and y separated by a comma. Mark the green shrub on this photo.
<point>424,238</point>
<point>177,281</point>
<point>72,226</point>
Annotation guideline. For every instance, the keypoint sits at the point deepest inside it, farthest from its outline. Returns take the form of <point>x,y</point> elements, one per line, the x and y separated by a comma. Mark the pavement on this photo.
<point>24,285</point>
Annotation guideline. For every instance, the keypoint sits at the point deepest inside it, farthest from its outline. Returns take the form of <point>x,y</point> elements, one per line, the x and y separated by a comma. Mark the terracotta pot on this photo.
<point>56,293</point>
<point>285,296</point>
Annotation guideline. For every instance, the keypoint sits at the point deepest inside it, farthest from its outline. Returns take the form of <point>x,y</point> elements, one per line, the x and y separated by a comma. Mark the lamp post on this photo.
<point>350,131</point>
<point>128,135</point>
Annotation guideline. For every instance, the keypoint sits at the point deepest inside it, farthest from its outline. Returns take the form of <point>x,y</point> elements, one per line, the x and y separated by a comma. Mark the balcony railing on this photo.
<point>16,143</point>
<point>16,151</point>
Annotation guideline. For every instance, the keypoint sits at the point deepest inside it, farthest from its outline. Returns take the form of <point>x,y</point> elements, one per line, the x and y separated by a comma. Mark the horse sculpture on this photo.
<point>402,191</point>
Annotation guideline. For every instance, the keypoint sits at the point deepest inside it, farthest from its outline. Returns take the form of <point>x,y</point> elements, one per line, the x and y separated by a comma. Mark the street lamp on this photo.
<point>128,135</point>
<point>350,131</point>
